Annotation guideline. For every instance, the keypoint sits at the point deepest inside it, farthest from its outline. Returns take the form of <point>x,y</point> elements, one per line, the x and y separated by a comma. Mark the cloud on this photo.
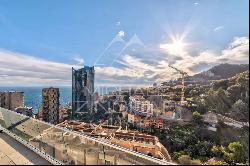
<point>144,66</point>
<point>79,60</point>
<point>237,51</point>
<point>118,23</point>
<point>196,3</point>
<point>218,28</point>
<point>146,70</point>
<point>121,33</point>
<point>19,69</point>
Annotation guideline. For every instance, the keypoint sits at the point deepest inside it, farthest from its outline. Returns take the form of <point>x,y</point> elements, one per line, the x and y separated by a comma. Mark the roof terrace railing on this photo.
<point>70,147</point>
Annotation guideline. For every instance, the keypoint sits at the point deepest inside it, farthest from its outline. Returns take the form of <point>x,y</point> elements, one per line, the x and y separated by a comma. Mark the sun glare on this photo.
<point>177,47</point>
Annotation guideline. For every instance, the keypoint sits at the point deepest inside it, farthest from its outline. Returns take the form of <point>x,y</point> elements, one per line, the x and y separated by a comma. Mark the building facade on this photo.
<point>50,105</point>
<point>11,100</point>
<point>141,105</point>
<point>83,96</point>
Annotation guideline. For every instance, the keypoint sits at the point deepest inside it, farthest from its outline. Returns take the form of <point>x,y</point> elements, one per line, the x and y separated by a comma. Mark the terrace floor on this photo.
<point>14,153</point>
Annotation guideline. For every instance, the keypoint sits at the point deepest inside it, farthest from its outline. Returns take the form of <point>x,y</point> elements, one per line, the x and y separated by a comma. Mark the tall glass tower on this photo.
<point>82,91</point>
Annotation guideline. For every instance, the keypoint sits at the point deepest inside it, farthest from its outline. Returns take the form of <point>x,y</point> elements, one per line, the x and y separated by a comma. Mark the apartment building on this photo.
<point>11,100</point>
<point>50,105</point>
<point>140,104</point>
<point>154,122</point>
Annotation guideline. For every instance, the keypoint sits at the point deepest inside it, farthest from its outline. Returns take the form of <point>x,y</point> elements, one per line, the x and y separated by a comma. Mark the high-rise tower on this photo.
<point>82,91</point>
<point>50,105</point>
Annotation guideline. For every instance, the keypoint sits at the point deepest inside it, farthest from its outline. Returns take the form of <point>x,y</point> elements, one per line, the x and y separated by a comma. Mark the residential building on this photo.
<point>50,105</point>
<point>169,114</point>
<point>131,118</point>
<point>64,114</point>
<point>211,120</point>
<point>154,122</point>
<point>133,140</point>
<point>11,100</point>
<point>147,107</point>
<point>137,119</point>
<point>83,96</point>
<point>139,104</point>
<point>169,105</point>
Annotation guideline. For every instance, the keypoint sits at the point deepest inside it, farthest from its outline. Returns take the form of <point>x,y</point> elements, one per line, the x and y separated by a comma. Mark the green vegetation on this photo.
<point>235,153</point>
<point>186,160</point>
<point>228,145</point>
<point>200,145</point>
<point>197,118</point>
<point>230,97</point>
<point>221,163</point>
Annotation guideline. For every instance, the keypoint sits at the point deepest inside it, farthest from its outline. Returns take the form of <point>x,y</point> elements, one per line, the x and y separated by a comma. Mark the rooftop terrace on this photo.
<point>63,146</point>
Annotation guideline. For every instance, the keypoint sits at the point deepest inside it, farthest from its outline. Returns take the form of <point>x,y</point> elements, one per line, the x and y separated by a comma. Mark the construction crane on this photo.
<point>183,74</point>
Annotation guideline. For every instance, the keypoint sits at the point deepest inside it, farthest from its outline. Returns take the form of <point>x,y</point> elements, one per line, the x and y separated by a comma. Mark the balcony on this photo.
<point>62,146</point>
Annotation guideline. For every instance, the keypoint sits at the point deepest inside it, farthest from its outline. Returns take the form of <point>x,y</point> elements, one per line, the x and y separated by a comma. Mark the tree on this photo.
<point>197,118</point>
<point>223,84</point>
<point>203,148</point>
<point>220,163</point>
<point>228,157</point>
<point>234,92</point>
<point>176,155</point>
<point>240,111</point>
<point>184,160</point>
<point>236,153</point>
<point>218,101</point>
<point>217,151</point>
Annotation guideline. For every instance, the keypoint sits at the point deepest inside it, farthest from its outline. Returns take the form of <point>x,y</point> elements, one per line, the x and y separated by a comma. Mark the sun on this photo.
<point>176,47</point>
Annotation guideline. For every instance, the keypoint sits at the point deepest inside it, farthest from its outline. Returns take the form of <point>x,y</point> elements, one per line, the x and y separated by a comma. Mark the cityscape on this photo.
<point>137,101</point>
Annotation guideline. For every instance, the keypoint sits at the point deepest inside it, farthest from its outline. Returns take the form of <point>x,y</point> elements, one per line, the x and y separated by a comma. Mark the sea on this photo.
<point>33,95</point>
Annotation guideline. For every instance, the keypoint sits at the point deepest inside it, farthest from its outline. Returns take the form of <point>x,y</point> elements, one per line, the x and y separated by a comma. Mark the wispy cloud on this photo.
<point>135,70</point>
<point>79,60</point>
<point>218,28</point>
<point>20,69</point>
<point>131,69</point>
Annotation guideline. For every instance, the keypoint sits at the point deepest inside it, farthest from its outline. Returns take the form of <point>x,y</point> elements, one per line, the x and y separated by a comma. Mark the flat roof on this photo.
<point>14,153</point>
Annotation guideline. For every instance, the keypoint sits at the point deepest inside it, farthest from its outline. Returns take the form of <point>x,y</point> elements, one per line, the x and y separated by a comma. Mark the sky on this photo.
<point>129,42</point>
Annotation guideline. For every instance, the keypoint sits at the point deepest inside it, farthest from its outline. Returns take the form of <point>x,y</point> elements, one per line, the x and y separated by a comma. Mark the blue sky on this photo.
<point>73,33</point>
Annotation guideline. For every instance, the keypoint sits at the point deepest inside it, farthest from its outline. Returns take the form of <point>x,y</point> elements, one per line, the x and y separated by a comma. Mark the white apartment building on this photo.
<point>141,105</point>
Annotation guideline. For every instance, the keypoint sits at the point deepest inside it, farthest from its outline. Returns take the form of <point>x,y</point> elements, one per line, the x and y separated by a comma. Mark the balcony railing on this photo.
<point>63,146</point>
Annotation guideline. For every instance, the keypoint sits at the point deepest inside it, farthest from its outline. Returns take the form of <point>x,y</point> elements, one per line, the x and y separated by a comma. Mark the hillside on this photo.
<point>230,96</point>
<point>222,71</point>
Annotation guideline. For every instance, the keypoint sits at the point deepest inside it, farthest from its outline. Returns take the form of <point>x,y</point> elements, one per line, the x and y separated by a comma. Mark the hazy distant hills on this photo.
<point>222,71</point>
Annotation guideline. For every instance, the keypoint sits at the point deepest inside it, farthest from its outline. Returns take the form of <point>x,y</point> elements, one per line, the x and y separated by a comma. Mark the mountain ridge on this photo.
<point>222,71</point>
